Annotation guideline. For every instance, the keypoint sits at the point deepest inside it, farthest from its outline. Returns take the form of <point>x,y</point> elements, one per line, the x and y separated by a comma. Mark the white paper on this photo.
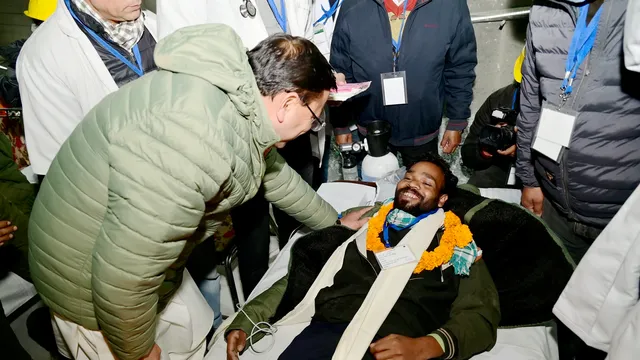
<point>555,126</point>
<point>343,196</point>
<point>394,91</point>
<point>547,148</point>
<point>347,91</point>
<point>512,176</point>
<point>396,256</point>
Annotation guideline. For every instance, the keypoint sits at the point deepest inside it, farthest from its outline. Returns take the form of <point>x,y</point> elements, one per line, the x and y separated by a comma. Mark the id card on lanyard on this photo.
<point>137,68</point>
<point>394,84</point>
<point>556,125</point>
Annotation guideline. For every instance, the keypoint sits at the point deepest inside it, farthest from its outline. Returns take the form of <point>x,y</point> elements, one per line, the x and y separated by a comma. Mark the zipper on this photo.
<point>565,172</point>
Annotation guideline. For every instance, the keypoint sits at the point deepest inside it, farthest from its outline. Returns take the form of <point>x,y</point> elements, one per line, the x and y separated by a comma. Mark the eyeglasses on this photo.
<point>318,122</point>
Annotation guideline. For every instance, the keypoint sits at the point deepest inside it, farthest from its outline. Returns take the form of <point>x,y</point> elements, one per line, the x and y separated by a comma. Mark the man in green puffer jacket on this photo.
<point>143,177</point>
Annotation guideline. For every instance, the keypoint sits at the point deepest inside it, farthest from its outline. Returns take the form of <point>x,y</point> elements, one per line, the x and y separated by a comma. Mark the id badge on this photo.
<point>394,88</point>
<point>396,256</point>
<point>554,131</point>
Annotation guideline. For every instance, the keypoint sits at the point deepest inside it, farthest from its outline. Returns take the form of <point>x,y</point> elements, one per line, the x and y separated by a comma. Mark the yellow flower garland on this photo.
<point>455,234</point>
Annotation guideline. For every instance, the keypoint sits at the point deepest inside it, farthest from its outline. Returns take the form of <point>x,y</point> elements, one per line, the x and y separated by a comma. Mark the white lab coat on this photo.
<point>176,14</point>
<point>600,303</point>
<point>61,78</point>
<point>323,32</point>
<point>632,36</point>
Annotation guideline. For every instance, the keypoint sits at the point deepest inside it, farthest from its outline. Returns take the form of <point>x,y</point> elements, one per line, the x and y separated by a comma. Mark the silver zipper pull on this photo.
<point>441,275</point>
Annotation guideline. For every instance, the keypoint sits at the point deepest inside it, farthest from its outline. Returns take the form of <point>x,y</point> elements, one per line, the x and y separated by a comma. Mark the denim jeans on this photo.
<point>202,267</point>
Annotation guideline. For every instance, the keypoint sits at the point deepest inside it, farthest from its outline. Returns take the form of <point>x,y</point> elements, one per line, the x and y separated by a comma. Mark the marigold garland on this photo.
<point>455,235</point>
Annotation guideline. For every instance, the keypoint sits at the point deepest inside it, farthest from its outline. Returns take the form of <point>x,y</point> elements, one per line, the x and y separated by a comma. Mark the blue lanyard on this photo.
<point>396,44</point>
<point>385,228</point>
<point>281,18</point>
<point>581,44</point>
<point>515,97</point>
<point>139,70</point>
<point>327,14</point>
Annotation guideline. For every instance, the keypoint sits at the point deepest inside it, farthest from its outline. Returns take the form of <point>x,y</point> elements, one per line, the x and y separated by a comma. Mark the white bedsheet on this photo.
<point>531,343</point>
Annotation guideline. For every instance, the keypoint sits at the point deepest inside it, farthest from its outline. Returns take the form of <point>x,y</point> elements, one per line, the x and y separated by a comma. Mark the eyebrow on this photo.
<point>423,173</point>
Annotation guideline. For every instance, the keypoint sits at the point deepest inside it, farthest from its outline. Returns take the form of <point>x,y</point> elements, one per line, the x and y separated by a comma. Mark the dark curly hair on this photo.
<point>450,180</point>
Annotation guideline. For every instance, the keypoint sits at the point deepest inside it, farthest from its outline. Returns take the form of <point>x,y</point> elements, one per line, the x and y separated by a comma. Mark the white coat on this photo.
<point>600,303</point>
<point>632,36</point>
<point>61,78</point>
<point>176,14</point>
<point>323,30</point>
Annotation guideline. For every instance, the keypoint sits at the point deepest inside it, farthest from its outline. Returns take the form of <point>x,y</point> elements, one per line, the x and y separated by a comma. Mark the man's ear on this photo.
<point>443,199</point>
<point>284,101</point>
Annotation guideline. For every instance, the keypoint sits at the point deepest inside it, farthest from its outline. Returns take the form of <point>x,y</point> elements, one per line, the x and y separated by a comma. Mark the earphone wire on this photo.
<point>260,327</point>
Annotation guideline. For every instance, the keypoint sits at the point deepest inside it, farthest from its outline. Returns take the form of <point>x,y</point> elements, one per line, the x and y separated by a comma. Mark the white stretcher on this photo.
<point>527,343</point>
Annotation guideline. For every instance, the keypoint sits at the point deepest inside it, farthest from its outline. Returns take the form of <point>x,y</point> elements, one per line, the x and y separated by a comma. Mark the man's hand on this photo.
<point>6,231</point>
<point>154,354</point>
<point>450,141</point>
<point>532,198</point>
<point>344,139</point>
<point>511,151</point>
<point>353,221</point>
<point>340,79</point>
<point>397,347</point>
<point>236,341</point>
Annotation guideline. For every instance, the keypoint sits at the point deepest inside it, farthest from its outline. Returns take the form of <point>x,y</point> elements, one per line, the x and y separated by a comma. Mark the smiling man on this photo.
<point>448,309</point>
<point>147,174</point>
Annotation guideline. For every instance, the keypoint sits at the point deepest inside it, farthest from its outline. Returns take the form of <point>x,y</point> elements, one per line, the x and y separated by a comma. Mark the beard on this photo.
<point>415,207</point>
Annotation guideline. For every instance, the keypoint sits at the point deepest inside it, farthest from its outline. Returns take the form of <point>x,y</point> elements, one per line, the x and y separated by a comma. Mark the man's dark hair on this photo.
<point>288,63</point>
<point>450,180</point>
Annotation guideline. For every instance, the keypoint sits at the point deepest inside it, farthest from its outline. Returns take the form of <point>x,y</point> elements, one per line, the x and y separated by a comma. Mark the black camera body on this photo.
<point>493,137</point>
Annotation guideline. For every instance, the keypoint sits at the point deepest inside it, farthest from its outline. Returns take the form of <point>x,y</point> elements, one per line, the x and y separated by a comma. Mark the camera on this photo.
<point>493,137</point>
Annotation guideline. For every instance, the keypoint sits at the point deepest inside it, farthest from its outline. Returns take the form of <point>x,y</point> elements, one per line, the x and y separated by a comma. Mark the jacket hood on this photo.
<point>215,53</point>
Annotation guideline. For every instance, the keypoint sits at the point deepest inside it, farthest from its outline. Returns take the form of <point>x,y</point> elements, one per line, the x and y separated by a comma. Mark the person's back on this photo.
<point>140,180</point>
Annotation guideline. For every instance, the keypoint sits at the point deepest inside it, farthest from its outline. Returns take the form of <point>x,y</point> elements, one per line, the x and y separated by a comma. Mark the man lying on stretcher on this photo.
<point>446,305</point>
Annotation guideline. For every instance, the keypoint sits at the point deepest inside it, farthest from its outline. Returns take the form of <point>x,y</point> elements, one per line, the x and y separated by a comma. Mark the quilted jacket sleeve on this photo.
<point>529,116</point>
<point>155,203</point>
<point>285,189</point>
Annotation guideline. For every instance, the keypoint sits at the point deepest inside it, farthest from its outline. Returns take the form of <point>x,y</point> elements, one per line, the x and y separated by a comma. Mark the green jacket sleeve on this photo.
<point>285,189</point>
<point>261,308</point>
<point>16,199</point>
<point>475,314</point>
<point>154,206</point>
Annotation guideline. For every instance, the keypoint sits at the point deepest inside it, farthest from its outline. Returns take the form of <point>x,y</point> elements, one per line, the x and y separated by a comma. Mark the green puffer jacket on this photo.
<point>16,200</point>
<point>144,176</point>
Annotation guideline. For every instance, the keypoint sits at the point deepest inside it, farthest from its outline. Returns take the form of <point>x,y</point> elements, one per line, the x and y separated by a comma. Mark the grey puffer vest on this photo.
<point>601,168</point>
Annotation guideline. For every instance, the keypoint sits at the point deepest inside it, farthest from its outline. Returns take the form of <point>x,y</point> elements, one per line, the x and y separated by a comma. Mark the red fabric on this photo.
<point>391,7</point>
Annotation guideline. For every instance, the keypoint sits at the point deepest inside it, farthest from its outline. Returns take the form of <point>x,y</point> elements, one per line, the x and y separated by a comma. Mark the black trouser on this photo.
<point>318,341</point>
<point>11,348</point>
<point>577,237</point>
<point>413,154</point>
<point>251,220</point>
<point>492,177</point>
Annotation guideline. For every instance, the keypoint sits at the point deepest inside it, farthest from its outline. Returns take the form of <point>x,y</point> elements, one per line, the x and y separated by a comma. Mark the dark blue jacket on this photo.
<point>438,53</point>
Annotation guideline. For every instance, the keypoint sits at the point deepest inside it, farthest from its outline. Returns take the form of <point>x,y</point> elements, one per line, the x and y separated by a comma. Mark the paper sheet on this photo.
<point>343,196</point>
<point>347,91</point>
